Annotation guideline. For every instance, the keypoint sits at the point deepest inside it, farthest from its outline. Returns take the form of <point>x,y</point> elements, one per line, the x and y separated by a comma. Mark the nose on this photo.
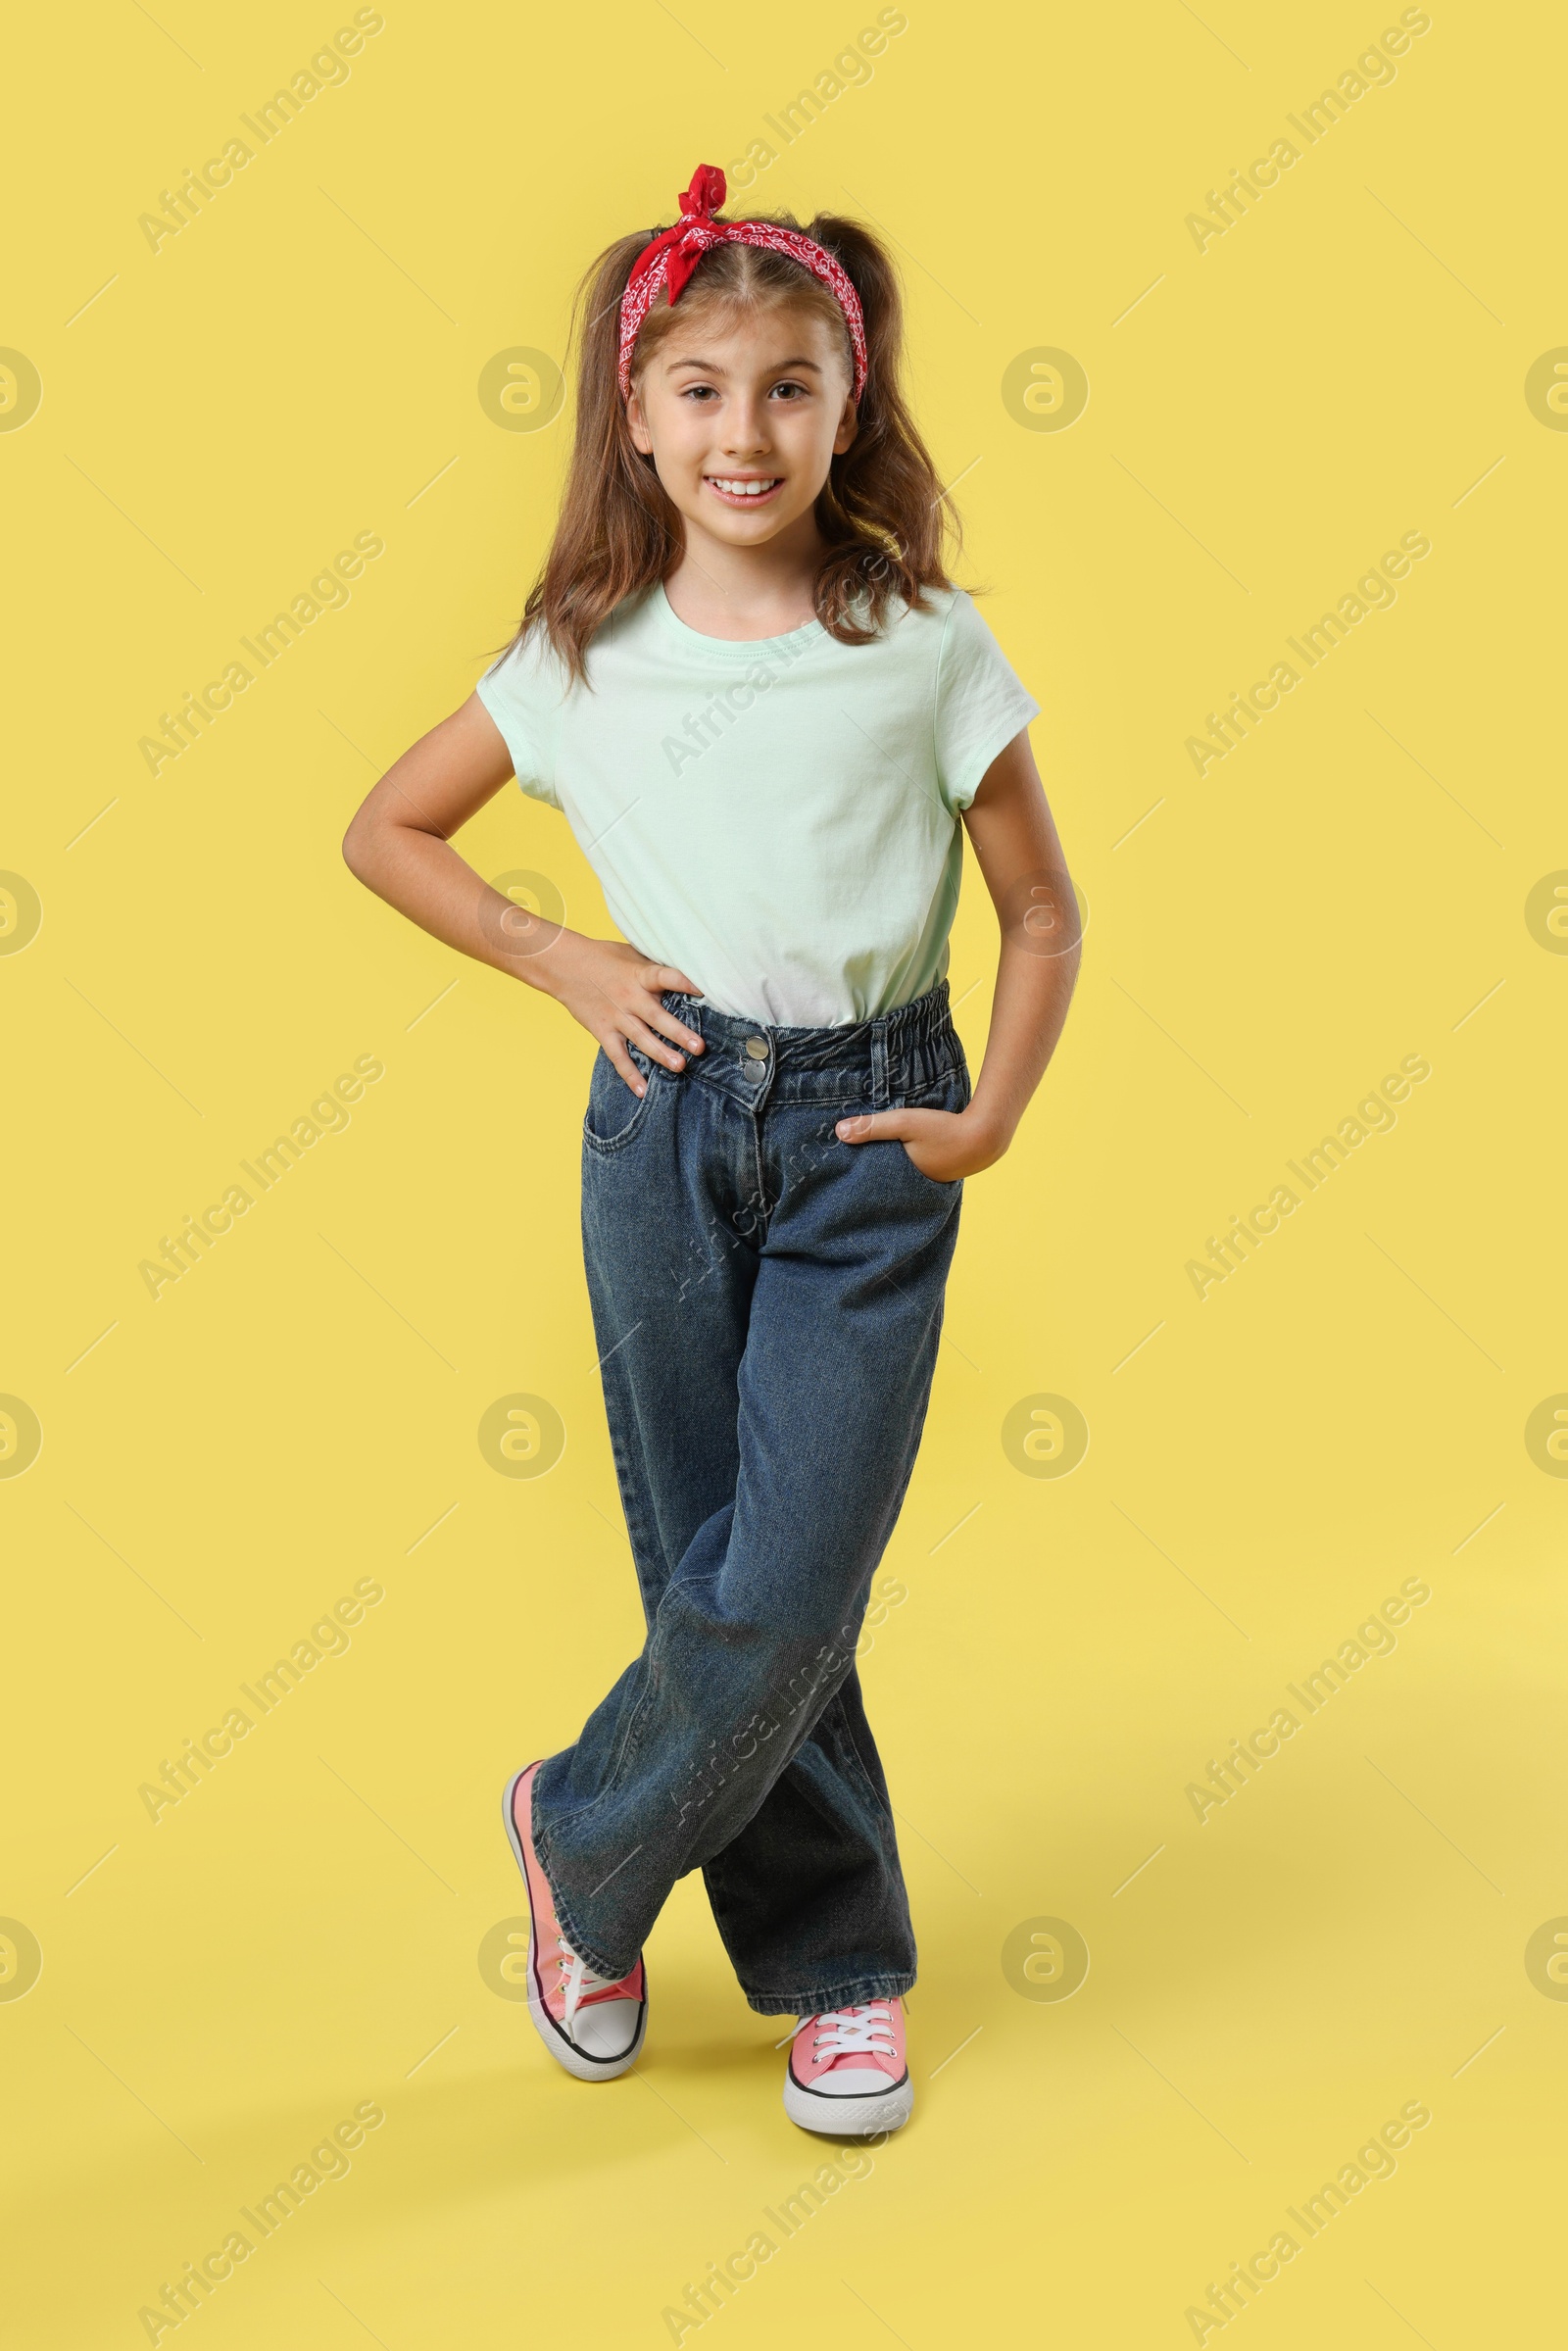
<point>745,434</point>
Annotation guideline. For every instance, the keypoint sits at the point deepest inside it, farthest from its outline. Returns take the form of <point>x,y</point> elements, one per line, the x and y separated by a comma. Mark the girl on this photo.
<point>746,680</point>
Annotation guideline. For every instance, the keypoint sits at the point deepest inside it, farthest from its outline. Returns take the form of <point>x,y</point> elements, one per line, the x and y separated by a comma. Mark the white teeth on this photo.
<point>743,489</point>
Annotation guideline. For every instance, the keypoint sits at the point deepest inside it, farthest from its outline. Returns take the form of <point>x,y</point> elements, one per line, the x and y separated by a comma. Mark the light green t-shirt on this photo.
<point>777,820</point>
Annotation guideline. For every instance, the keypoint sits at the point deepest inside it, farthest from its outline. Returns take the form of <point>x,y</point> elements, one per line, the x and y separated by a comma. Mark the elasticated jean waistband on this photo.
<point>892,1037</point>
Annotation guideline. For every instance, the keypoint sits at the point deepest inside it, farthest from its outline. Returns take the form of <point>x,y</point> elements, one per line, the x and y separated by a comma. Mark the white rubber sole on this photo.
<point>849,2118</point>
<point>564,2051</point>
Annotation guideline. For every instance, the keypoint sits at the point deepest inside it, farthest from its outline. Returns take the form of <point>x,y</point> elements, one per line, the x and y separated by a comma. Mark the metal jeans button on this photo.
<point>757,1047</point>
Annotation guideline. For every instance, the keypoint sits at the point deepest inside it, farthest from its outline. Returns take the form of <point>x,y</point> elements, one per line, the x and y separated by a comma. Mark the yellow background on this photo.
<point>217,1467</point>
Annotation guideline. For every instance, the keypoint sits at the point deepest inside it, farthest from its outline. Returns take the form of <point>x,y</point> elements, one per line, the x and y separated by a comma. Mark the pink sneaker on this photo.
<point>592,2027</point>
<point>846,2071</point>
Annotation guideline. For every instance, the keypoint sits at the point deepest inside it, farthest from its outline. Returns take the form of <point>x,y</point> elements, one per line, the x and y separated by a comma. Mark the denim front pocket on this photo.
<point>949,1092</point>
<point>615,1114</point>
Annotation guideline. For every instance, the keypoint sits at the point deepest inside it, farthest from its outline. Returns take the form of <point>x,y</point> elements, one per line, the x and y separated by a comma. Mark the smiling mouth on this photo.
<point>740,489</point>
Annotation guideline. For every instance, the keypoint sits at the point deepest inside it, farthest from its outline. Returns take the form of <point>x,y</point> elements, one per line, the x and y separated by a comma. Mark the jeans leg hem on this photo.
<point>586,1951</point>
<point>856,1995</point>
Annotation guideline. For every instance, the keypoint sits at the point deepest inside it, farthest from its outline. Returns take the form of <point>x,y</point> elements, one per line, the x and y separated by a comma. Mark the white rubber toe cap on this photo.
<point>608,2029</point>
<point>853,2081</point>
<point>850,2109</point>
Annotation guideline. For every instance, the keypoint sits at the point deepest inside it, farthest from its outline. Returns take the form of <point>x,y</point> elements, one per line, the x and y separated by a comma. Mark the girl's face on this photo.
<point>742,414</point>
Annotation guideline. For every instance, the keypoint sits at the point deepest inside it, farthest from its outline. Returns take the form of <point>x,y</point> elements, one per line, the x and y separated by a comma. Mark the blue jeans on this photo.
<point>767,1303</point>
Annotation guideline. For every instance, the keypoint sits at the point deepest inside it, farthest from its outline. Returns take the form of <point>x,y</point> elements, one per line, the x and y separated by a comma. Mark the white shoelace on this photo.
<point>851,2032</point>
<point>576,1980</point>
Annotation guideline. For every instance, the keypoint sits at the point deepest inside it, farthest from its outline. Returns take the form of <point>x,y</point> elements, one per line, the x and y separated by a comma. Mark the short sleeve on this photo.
<point>980,703</point>
<point>523,693</point>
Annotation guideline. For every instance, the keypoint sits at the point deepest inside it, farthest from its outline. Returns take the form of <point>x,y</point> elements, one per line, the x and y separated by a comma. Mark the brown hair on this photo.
<point>882,510</point>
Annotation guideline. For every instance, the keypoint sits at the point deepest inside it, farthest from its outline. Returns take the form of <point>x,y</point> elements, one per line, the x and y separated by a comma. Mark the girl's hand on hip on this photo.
<point>614,991</point>
<point>943,1143</point>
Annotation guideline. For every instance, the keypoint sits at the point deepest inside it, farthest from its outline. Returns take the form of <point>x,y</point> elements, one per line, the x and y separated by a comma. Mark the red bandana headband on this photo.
<point>672,257</point>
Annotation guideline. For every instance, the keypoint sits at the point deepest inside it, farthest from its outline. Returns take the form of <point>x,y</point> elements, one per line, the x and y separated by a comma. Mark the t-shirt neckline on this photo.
<point>729,649</point>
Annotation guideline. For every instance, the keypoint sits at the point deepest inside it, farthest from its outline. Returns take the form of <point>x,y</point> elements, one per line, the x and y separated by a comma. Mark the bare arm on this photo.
<point>1015,840</point>
<point>399,845</point>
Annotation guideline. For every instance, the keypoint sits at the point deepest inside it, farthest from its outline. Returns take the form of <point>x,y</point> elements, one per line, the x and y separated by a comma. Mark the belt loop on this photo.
<point>691,1008</point>
<point>879,1063</point>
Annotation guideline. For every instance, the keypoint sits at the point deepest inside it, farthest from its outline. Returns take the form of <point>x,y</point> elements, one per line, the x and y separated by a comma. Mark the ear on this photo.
<point>849,426</point>
<point>642,438</point>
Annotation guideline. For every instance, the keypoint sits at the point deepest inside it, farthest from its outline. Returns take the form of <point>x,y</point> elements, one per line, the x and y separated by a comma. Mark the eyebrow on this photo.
<point>711,366</point>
